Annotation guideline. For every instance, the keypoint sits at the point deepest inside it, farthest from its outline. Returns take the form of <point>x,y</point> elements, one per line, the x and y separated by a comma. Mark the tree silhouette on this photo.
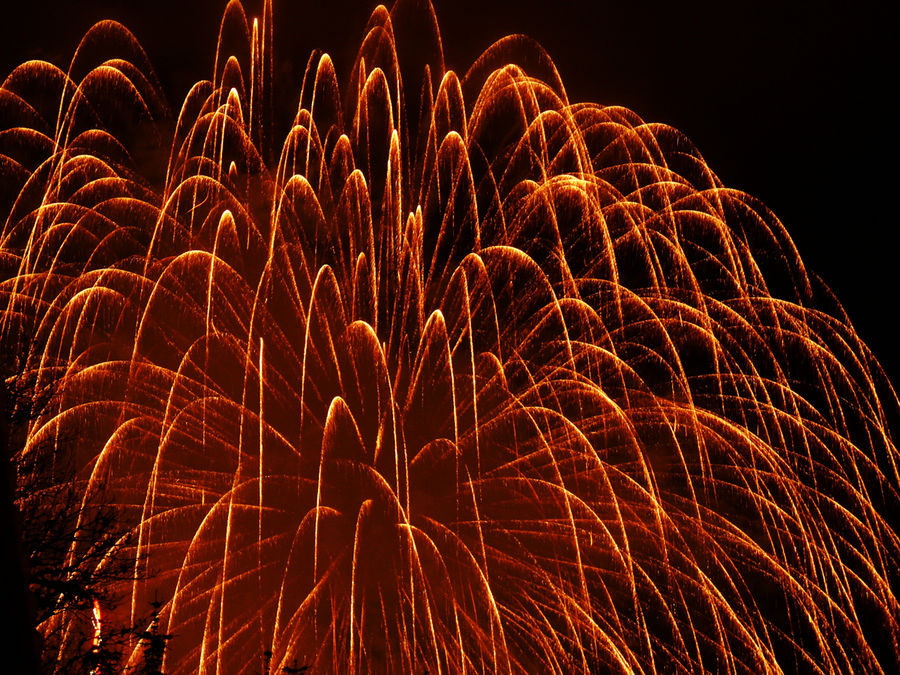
<point>65,561</point>
<point>154,649</point>
<point>292,669</point>
<point>22,648</point>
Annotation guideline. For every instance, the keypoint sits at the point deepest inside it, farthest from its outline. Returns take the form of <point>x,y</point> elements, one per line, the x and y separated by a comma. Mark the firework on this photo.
<point>465,377</point>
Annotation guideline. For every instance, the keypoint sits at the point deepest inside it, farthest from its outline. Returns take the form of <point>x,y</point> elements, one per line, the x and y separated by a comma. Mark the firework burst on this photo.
<point>465,378</point>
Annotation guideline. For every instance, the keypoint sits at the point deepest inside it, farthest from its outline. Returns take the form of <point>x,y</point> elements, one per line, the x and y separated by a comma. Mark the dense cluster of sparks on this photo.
<point>465,378</point>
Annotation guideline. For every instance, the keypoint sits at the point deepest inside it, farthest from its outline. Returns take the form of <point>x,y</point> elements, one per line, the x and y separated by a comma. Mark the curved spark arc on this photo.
<point>468,378</point>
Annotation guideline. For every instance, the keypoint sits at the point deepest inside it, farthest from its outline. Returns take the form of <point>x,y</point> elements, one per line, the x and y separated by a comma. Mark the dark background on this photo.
<point>786,100</point>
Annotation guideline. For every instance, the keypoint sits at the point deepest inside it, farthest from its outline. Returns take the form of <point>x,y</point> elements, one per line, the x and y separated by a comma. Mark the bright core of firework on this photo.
<point>466,377</point>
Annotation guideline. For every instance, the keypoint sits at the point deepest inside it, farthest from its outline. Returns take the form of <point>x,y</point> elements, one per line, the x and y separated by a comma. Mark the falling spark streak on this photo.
<point>468,378</point>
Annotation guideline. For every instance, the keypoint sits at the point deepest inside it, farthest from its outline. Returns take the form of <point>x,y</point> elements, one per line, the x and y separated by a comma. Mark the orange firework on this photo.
<point>467,378</point>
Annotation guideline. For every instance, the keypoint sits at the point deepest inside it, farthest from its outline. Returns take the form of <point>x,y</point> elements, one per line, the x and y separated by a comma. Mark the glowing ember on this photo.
<point>468,378</point>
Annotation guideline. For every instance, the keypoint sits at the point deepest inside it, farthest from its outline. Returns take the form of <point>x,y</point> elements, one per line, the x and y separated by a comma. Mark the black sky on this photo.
<point>786,100</point>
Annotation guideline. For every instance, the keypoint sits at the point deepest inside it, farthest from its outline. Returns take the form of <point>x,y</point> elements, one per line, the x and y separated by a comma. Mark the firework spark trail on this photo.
<point>469,378</point>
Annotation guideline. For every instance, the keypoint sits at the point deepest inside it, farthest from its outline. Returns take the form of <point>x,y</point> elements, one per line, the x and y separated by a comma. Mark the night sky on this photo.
<point>787,101</point>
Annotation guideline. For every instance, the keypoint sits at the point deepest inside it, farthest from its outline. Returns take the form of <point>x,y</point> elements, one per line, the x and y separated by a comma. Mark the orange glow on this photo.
<point>464,378</point>
<point>98,624</point>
